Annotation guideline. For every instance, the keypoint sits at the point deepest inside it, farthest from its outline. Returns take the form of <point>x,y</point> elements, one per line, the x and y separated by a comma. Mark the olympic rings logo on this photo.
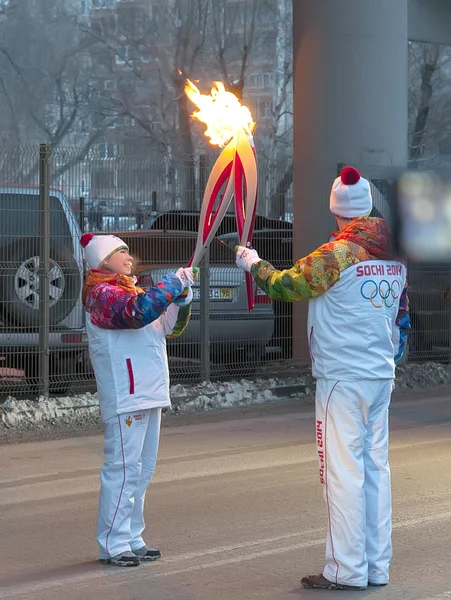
<point>384,294</point>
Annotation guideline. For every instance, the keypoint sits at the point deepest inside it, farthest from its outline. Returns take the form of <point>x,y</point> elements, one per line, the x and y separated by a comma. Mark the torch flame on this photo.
<point>221,111</point>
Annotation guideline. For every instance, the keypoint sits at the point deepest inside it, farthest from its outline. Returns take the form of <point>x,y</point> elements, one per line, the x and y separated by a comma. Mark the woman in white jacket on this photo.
<point>127,329</point>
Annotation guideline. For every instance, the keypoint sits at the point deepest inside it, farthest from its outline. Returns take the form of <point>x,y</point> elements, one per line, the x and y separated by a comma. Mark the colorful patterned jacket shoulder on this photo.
<point>363,240</point>
<point>114,302</point>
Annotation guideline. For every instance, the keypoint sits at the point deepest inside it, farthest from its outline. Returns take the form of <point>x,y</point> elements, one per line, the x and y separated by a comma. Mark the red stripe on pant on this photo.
<point>326,477</point>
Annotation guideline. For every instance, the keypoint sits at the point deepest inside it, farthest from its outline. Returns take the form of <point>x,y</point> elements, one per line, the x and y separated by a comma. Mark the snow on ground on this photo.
<point>423,375</point>
<point>229,394</point>
<point>83,409</point>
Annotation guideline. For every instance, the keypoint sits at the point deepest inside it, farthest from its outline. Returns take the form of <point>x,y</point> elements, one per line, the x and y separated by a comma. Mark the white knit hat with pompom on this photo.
<point>99,248</point>
<point>351,195</point>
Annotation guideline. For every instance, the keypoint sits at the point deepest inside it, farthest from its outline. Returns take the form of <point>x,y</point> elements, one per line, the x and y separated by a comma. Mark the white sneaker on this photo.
<point>125,559</point>
<point>146,553</point>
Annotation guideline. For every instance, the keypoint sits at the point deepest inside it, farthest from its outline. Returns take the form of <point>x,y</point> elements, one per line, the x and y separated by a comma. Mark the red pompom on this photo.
<point>350,176</point>
<point>85,239</point>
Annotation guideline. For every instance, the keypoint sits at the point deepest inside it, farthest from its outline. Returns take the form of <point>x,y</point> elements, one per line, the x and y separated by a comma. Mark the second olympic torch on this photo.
<point>234,175</point>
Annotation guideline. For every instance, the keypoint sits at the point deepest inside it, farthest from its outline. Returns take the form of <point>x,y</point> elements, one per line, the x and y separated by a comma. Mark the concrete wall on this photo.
<point>430,21</point>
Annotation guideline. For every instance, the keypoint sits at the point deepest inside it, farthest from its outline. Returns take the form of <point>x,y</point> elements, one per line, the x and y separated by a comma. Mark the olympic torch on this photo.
<point>234,174</point>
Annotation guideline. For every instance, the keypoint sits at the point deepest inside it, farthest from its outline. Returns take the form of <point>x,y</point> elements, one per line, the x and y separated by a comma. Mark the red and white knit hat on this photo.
<point>99,248</point>
<point>351,195</point>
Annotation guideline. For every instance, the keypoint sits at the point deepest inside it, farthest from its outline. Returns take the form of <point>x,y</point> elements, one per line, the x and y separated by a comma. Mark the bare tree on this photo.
<point>280,132</point>
<point>155,60</point>
<point>429,105</point>
<point>190,30</point>
<point>252,40</point>
<point>235,27</point>
<point>44,81</point>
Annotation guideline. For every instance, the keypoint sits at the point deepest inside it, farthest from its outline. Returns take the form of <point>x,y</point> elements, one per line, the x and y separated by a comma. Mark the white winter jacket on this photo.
<point>127,333</point>
<point>358,311</point>
<point>353,332</point>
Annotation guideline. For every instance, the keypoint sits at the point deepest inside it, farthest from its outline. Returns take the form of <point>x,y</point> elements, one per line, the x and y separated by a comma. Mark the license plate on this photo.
<point>216,294</point>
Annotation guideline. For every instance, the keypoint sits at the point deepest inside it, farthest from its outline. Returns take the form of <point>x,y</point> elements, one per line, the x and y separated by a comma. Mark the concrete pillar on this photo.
<point>350,106</point>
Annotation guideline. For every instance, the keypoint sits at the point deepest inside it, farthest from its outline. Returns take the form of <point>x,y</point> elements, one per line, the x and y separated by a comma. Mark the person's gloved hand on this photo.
<point>187,276</point>
<point>246,258</point>
<point>185,298</point>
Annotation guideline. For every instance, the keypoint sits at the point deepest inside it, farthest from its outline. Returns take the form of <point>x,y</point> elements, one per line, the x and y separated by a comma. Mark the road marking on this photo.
<point>87,479</point>
<point>240,546</point>
<point>110,577</point>
<point>422,520</point>
<point>246,557</point>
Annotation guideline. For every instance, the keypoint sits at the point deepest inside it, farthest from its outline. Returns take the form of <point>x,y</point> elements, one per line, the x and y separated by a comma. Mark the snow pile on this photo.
<point>212,396</point>
<point>424,375</point>
<point>83,410</point>
<point>31,413</point>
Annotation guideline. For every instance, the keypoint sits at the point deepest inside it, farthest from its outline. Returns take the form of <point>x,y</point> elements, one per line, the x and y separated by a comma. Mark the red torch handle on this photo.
<point>245,206</point>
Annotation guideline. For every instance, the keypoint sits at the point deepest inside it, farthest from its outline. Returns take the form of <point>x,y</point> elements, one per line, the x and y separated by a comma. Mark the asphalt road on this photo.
<point>235,506</point>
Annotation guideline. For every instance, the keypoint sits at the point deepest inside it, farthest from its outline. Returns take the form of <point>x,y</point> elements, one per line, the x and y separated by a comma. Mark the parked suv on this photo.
<point>238,340</point>
<point>180,220</point>
<point>20,286</point>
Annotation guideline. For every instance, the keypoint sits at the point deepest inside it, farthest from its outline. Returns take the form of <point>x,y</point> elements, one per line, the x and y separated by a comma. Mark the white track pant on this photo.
<point>352,444</point>
<point>130,447</point>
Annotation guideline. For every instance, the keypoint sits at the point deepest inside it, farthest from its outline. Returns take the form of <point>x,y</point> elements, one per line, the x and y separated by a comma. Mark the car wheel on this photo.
<point>20,288</point>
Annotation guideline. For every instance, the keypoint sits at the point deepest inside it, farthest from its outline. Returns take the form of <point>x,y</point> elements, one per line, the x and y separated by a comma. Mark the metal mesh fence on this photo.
<point>153,203</point>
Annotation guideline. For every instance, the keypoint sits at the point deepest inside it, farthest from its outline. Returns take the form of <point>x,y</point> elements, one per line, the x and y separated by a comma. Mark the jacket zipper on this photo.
<point>131,375</point>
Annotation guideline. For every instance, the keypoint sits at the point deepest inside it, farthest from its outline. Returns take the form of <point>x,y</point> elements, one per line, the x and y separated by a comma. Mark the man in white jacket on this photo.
<point>357,326</point>
<point>127,329</point>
